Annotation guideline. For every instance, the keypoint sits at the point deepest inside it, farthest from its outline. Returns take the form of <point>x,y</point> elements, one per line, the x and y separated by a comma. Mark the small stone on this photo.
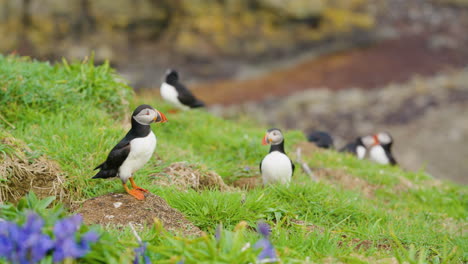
<point>109,216</point>
<point>117,204</point>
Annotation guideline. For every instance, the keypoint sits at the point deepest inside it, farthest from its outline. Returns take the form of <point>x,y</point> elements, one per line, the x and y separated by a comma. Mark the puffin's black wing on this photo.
<point>293,167</point>
<point>350,147</point>
<point>117,156</point>
<point>391,158</point>
<point>186,97</point>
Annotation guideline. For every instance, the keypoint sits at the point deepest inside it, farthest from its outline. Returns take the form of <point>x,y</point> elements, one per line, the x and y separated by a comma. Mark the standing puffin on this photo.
<point>381,149</point>
<point>133,151</point>
<point>276,166</point>
<point>358,147</point>
<point>177,94</point>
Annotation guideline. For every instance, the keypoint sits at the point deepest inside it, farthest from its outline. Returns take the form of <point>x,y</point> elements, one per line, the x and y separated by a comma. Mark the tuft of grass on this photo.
<point>30,89</point>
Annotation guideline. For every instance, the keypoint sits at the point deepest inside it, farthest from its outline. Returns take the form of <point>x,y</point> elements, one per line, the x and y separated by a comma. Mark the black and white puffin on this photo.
<point>321,139</point>
<point>381,149</point>
<point>133,151</point>
<point>359,146</point>
<point>276,166</point>
<point>174,92</point>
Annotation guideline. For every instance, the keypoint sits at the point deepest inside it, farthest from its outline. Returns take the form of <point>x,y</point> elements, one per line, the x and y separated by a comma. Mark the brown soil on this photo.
<point>248,183</point>
<point>24,174</point>
<point>121,209</point>
<point>365,244</point>
<point>184,176</point>
<point>308,226</point>
<point>366,68</point>
<point>346,181</point>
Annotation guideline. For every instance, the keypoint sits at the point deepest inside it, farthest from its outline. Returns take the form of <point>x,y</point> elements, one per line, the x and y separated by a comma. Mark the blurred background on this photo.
<point>349,67</point>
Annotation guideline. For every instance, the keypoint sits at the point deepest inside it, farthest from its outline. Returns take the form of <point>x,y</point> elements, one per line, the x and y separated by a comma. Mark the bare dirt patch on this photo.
<point>22,172</point>
<point>184,176</point>
<point>364,244</point>
<point>346,180</point>
<point>248,183</point>
<point>121,209</point>
<point>308,226</point>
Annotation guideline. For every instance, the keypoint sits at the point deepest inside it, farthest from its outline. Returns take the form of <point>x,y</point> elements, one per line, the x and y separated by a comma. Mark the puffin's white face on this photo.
<point>148,116</point>
<point>384,138</point>
<point>273,137</point>
<point>369,141</point>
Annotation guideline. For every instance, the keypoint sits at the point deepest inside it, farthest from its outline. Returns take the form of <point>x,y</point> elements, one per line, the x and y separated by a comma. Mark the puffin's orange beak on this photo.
<point>265,140</point>
<point>376,140</point>
<point>161,118</point>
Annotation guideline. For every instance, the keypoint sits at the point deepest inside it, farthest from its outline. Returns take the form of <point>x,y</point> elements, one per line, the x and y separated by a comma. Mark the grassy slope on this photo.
<point>78,132</point>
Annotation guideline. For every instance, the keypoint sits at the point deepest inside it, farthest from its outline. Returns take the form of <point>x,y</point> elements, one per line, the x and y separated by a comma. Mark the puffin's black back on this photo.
<point>185,96</point>
<point>119,153</point>
<point>352,146</point>
<point>321,139</point>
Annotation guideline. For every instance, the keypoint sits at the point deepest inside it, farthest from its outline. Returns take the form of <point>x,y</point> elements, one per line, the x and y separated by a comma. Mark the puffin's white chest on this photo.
<point>141,150</point>
<point>276,167</point>
<point>377,154</point>
<point>170,94</point>
<point>360,152</point>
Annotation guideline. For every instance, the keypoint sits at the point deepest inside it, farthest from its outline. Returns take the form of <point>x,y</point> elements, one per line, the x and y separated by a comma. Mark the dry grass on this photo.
<point>185,176</point>
<point>20,174</point>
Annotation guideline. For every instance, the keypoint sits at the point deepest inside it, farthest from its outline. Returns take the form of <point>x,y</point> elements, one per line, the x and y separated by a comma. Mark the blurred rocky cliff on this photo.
<point>206,39</point>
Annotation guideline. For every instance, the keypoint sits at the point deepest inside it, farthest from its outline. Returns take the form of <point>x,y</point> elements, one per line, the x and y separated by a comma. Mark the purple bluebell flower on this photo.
<point>268,253</point>
<point>264,229</point>
<point>24,244</point>
<point>66,245</point>
<point>141,252</point>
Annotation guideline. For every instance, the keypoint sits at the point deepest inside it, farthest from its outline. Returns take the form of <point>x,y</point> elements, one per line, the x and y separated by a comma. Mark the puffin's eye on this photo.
<point>147,112</point>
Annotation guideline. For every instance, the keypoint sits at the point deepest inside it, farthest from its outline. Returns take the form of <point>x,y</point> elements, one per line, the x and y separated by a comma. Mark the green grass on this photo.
<point>76,113</point>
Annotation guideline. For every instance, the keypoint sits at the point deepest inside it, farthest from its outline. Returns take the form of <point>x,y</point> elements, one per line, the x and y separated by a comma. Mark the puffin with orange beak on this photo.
<point>276,166</point>
<point>133,151</point>
<point>381,149</point>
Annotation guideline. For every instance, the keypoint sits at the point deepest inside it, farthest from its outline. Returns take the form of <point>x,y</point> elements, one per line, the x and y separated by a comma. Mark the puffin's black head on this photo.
<point>145,115</point>
<point>273,136</point>
<point>172,76</point>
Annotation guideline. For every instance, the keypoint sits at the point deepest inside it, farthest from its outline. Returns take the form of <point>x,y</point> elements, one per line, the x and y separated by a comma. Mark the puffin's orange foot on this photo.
<point>141,189</point>
<point>137,194</point>
<point>173,111</point>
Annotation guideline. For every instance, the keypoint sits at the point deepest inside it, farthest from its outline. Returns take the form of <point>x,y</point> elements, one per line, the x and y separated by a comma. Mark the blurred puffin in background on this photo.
<point>359,146</point>
<point>381,149</point>
<point>321,139</point>
<point>174,92</point>
<point>133,151</point>
<point>276,166</point>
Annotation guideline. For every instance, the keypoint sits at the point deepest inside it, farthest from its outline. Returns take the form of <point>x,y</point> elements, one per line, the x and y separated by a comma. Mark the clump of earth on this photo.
<point>119,209</point>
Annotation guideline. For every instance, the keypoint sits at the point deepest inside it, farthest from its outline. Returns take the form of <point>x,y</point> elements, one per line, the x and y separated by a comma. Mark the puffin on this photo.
<point>276,166</point>
<point>381,149</point>
<point>359,146</point>
<point>133,151</point>
<point>174,92</point>
<point>321,139</point>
